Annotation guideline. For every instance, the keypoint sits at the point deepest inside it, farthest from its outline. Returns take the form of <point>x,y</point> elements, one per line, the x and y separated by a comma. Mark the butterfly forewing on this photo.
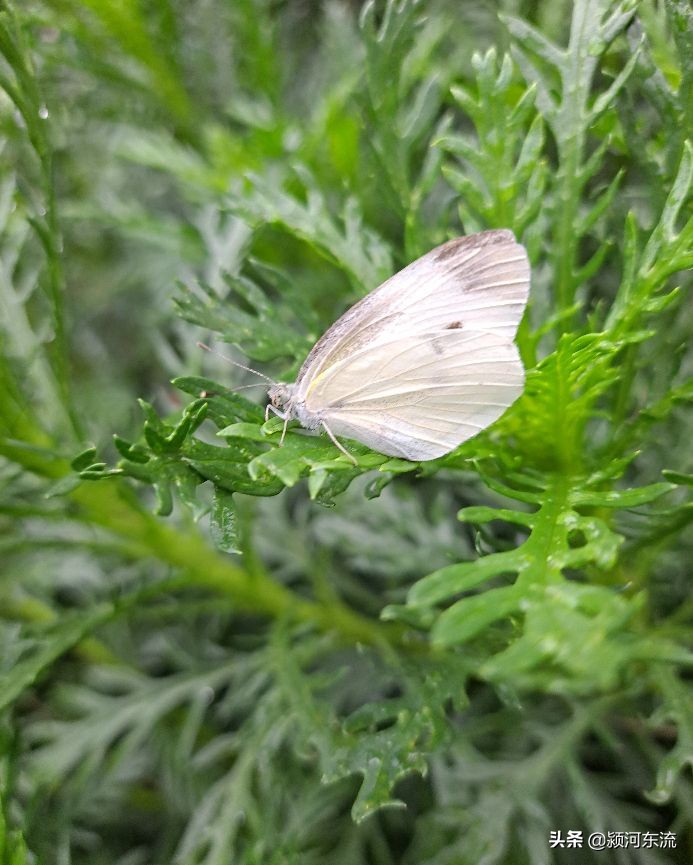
<point>479,282</point>
<point>427,360</point>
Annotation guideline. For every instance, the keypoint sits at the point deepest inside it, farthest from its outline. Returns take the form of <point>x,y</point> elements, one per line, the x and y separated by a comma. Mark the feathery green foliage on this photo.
<point>216,650</point>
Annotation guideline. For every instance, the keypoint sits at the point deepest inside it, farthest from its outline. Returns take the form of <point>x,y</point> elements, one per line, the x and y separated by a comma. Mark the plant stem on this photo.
<point>112,506</point>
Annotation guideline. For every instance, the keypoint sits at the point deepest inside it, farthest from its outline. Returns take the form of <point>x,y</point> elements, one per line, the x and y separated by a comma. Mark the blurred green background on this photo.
<point>192,674</point>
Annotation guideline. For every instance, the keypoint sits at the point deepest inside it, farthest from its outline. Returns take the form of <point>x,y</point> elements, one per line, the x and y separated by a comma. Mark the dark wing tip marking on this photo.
<point>454,325</point>
<point>473,241</point>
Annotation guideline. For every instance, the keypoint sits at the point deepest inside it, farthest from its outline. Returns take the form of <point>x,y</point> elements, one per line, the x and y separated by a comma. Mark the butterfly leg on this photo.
<point>284,415</point>
<point>337,444</point>
<point>286,424</point>
<point>271,408</point>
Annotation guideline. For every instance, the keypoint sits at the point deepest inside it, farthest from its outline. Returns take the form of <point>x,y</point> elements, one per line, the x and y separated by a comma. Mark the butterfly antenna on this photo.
<point>236,363</point>
<point>246,386</point>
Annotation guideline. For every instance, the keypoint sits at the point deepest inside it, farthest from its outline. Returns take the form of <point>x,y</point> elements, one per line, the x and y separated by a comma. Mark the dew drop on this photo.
<point>43,112</point>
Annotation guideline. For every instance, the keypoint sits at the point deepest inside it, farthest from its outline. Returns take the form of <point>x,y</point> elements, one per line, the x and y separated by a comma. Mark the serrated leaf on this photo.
<point>409,728</point>
<point>222,402</point>
<point>267,332</point>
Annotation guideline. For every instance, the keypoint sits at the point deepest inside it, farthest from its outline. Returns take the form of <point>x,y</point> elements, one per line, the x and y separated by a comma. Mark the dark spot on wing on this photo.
<point>454,325</point>
<point>474,241</point>
<point>448,250</point>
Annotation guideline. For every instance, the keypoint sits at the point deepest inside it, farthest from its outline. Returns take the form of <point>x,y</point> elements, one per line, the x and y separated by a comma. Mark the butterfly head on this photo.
<point>280,395</point>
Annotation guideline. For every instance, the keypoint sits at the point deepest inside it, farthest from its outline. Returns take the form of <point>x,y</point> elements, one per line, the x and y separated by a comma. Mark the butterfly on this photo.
<point>426,360</point>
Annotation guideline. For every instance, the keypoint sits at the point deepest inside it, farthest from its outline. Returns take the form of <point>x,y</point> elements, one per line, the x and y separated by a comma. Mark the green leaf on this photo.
<point>504,187</point>
<point>223,405</point>
<point>264,333</point>
<point>134,453</point>
<point>346,242</point>
<point>279,161</point>
<point>224,522</point>
<point>560,538</point>
<point>84,459</point>
<point>243,430</point>
<point>467,618</point>
<point>55,641</point>
<point>63,486</point>
<point>621,498</point>
<point>678,709</point>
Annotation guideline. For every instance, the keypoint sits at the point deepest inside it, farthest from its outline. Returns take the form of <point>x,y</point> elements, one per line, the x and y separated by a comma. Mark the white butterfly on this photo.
<point>426,360</point>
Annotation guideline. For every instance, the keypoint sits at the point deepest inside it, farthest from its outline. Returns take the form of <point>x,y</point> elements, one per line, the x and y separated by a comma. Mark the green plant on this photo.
<point>216,649</point>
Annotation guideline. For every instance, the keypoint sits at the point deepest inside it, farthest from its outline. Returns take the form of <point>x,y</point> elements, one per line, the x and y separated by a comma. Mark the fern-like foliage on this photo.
<point>215,648</point>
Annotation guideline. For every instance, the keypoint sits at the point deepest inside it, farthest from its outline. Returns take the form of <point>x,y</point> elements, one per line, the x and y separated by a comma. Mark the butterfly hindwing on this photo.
<point>418,397</point>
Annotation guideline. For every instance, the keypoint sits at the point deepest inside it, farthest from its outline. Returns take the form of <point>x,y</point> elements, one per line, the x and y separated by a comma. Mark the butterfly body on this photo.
<point>291,409</point>
<point>427,359</point>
